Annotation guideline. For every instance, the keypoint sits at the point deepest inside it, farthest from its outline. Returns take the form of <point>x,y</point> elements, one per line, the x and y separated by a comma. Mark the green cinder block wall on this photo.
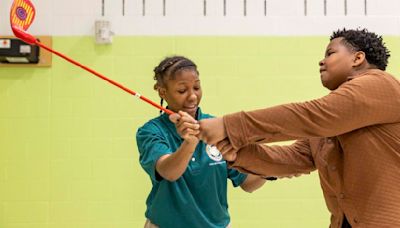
<point>68,154</point>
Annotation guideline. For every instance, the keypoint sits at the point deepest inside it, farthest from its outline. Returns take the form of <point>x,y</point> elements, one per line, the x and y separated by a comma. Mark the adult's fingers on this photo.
<point>224,146</point>
<point>230,156</point>
<point>227,150</point>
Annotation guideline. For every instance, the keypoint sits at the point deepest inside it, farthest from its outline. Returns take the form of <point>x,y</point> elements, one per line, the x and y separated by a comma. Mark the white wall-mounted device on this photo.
<point>103,32</point>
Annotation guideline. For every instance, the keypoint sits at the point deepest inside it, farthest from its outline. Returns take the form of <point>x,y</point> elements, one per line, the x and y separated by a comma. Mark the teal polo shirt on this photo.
<point>199,197</point>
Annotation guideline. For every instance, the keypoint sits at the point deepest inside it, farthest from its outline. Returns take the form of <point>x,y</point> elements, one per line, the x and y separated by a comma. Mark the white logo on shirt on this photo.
<point>213,153</point>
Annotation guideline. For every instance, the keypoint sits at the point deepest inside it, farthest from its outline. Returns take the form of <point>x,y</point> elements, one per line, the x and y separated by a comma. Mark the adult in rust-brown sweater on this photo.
<point>351,136</point>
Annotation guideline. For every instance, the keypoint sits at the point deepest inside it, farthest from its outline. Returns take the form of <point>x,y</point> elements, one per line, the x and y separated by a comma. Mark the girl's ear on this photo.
<point>359,58</point>
<point>161,92</point>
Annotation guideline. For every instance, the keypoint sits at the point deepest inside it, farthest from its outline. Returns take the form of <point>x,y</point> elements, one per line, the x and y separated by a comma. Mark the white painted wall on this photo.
<point>209,17</point>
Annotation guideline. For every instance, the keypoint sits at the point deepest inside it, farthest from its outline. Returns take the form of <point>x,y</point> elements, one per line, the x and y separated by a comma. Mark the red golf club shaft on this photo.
<point>21,16</point>
<point>104,78</point>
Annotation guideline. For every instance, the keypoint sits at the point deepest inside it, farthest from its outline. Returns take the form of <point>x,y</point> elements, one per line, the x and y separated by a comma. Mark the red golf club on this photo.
<point>21,17</point>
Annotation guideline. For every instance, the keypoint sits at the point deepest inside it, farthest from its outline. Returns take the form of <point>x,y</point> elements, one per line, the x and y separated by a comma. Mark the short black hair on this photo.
<point>370,43</point>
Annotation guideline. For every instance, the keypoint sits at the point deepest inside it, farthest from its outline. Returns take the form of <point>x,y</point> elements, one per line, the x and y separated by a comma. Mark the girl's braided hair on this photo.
<point>169,67</point>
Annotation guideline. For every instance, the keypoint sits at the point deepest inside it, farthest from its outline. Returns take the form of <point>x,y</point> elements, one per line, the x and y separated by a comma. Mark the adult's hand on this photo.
<point>212,130</point>
<point>227,150</point>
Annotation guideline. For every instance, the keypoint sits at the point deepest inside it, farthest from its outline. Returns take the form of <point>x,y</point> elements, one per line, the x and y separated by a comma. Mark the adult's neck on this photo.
<point>360,71</point>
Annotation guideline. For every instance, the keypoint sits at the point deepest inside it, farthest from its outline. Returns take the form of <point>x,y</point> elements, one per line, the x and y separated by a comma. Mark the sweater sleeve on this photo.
<point>367,100</point>
<point>276,161</point>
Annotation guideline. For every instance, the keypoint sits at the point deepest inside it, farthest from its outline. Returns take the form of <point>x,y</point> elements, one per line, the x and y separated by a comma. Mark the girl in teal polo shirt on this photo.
<point>189,178</point>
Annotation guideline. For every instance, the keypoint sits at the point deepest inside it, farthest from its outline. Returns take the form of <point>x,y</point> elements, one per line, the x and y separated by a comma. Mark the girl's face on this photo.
<point>337,65</point>
<point>183,92</point>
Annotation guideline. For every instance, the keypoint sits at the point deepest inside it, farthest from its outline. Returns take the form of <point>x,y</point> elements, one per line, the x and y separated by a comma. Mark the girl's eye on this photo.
<point>181,91</point>
<point>196,88</point>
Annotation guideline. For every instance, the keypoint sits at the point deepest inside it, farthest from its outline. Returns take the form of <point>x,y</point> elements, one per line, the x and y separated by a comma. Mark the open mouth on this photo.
<point>190,109</point>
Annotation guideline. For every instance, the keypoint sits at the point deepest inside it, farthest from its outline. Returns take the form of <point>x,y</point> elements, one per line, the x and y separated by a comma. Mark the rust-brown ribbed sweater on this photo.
<point>351,136</point>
